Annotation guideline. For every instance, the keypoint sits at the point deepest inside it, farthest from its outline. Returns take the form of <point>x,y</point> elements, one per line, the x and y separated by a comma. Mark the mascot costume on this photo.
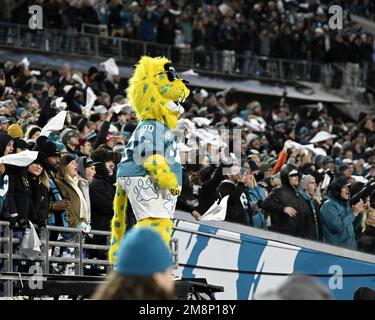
<point>150,172</point>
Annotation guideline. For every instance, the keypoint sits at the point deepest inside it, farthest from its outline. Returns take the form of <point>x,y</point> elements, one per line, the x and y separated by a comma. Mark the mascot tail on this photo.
<point>118,226</point>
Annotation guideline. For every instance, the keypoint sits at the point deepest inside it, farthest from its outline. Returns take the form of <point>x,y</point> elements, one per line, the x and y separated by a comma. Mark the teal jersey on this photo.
<point>150,137</point>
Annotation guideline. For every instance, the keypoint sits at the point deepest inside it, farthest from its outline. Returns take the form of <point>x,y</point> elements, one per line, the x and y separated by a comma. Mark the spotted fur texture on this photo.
<point>149,93</point>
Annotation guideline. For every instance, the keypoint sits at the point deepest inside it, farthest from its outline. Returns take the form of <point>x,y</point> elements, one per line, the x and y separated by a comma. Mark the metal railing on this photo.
<point>10,258</point>
<point>128,52</point>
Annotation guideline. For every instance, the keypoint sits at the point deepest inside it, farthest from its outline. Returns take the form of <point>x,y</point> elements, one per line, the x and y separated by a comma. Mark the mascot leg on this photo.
<point>118,226</point>
<point>163,226</point>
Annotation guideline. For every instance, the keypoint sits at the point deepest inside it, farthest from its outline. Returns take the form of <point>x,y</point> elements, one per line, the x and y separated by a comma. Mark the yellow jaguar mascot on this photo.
<point>150,171</point>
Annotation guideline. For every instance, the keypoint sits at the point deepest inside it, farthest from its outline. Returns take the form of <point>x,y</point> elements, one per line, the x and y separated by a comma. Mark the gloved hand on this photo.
<point>23,223</point>
<point>330,173</point>
<point>13,220</point>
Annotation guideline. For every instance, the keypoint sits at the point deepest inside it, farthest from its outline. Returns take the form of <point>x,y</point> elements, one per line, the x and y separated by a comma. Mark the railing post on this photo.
<point>169,52</point>
<point>78,253</point>
<point>7,265</point>
<point>96,46</point>
<point>18,41</point>
<point>215,61</point>
<point>281,71</point>
<point>8,288</point>
<point>120,49</point>
<point>144,48</point>
<point>45,242</point>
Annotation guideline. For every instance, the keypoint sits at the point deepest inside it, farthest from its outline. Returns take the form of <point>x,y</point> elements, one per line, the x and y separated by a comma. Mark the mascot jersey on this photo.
<point>150,137</point>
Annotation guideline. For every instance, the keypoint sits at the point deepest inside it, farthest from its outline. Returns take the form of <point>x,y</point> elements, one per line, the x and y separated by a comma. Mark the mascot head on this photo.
<point>155,91</point>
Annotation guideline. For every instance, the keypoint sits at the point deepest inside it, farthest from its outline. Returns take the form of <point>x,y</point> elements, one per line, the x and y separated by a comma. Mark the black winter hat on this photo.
<point>102,155</point>
<point>4,140</point>
<point>337,185</point>
<point>47,147</point>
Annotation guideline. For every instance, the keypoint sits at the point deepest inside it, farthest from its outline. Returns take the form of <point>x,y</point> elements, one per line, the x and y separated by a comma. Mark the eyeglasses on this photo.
<point>171,73</point>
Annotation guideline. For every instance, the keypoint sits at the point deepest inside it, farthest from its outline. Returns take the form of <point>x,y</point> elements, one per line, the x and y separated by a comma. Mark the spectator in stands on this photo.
<point>64,79</point>
<point>70,138</point>
<point>102,192</point>
<point>166,31</point>
<point>87,14</point>
<point>210,178</point>
<point>140,274</point>
<point>85,147</point>
<point>32,134</point>
<point>298,287</point>
<point>233,186</point>
<point>255,195</point>
<point>39,191</point>
<point>68,183</point>
<point>6,144</point>
<point>86,172</point>
<point>366,236</point>
<point>4,124</point>
<point>287,208</point>
<point>307,189</point>
<point>338,218</point>
<point>185,201</point>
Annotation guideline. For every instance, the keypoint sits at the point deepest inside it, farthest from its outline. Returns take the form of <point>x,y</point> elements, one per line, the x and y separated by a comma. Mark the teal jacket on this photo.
<point>4,188</point>
<point>253,196</point>
<point>339,223</point>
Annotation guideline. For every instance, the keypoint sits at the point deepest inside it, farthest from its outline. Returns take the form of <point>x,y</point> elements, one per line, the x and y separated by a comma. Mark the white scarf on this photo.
<point>83,209</point>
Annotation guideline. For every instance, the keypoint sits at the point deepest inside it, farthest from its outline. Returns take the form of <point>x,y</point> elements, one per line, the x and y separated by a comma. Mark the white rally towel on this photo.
<point>25,62</point>
<point>77,78</point>
<point>55,124</point>
<point>111,67</point>
<point>118,107</point>
<point>217,212</point>
<point>21,159</point>
<point>30,245</point>
<point>90,100</point>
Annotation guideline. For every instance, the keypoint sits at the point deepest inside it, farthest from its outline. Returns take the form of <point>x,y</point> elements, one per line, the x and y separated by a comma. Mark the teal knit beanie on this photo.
<point>142,252</point>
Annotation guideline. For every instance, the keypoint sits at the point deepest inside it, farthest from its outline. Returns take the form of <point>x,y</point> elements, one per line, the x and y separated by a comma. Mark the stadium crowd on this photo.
<point>297,171</point>
<point>282,29</point>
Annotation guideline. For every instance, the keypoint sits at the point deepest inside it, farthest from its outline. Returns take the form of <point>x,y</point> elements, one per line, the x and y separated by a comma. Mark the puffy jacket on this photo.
<point>288,196</point>
<point>339,223</point>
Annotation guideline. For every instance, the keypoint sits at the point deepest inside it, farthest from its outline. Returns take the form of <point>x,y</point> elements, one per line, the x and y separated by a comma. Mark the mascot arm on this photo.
<point>158,168</point>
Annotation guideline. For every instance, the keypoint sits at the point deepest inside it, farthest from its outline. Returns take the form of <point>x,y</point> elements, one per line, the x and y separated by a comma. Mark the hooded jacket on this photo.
<point>102,193</point>
<point>288,196</point>
<point>338,220</point>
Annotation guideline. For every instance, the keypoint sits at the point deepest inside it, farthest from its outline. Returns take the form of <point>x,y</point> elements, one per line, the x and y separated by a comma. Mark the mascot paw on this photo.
<point>158,168</point>
<point>175,191</point>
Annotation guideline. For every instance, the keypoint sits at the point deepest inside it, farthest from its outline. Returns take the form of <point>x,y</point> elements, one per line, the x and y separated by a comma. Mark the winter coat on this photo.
<point>84,186</point>
<point>4,187</point>
<point>102,193</point>
<point>255,197</point>
<point>314,217</point>
<point>19,199</point>
<point>68,193</point>
<point>235,209</point>
<point>40,201</point>
<point>186,193</point>
<point>339,223</point>
<point>207,194</point>
<point>288,196</point>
